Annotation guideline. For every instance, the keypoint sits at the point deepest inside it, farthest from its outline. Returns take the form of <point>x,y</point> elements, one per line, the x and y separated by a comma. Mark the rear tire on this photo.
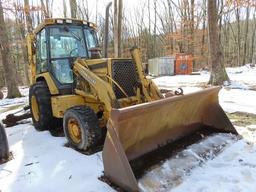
<point>4,147</point>
<point>40,107</point>
<point>81,128</point>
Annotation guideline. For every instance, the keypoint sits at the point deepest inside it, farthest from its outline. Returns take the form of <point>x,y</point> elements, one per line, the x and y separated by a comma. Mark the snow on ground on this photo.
<point>233,170</point>
<point>241,78</point>
<point>21,100</point>
<point>172,171</point>
<point>41,162</point>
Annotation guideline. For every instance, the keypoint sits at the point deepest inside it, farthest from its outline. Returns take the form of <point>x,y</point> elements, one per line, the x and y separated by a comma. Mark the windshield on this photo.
<point>67,42</point>
<point>91,38</point>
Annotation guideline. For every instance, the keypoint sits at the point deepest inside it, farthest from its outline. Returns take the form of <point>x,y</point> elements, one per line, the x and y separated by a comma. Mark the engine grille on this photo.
<point>125,74</point>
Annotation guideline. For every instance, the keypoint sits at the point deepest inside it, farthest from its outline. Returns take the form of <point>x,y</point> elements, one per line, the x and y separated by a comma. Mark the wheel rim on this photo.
<point>74,130</point>
<point>35,108</point>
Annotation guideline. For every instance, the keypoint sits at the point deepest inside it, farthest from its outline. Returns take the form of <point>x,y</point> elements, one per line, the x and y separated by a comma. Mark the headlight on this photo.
<point>59,21</point>
<point>68,21</point>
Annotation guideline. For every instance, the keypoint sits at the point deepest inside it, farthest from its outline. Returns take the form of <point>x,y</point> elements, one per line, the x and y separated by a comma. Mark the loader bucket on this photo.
<point>136,130</point>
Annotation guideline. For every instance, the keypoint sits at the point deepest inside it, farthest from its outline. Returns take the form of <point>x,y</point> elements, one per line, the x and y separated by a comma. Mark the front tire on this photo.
<point>40,106</point>
<point>4,147</point>
<point>81,128</point>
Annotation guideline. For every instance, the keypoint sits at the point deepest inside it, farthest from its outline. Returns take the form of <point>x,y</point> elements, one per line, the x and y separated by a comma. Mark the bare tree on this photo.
<point>7,59</point>
<point>83,10</point>
<point>119,26</point>
<point>45,8</point>
<point>73,8</point>
<point>238,33</point>
<point>218,71</point>
<point>64,9</point>
<point>29,28</point>
<point>252,52</point>
<point>118,9</point>
<point>246,33</point>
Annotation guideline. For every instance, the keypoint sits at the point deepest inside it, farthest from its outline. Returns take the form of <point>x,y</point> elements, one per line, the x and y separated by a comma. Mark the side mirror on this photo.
<point>95,52</point>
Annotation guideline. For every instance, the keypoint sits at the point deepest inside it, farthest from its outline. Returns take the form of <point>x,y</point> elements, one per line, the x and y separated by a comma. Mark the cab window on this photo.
<point>67,42</point>
<point>91,38</point>
<point>41,54</point>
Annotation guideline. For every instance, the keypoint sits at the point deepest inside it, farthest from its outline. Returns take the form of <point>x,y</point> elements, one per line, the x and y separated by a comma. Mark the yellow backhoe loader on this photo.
<point>71,83</point>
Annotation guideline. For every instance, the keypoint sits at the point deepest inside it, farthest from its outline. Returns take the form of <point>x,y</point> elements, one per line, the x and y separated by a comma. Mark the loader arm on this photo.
<point>103,89</point>
<point>149,89</point>
<point>31,56</point>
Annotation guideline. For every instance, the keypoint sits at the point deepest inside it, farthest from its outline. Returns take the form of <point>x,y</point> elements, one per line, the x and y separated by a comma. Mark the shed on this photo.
<point>161,66</point>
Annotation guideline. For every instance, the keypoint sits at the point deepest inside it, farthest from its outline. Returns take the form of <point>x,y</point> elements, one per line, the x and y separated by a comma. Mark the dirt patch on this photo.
<point>252,87</point>
<point>242,119</point>
<point>10,157</point>
<point>204,85</point>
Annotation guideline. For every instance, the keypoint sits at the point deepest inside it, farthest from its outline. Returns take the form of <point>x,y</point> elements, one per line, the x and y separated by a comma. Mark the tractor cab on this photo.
<point>58,43</point>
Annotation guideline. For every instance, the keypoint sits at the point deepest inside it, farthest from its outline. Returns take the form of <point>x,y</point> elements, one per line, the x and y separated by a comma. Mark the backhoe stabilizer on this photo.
<point>137,130</point>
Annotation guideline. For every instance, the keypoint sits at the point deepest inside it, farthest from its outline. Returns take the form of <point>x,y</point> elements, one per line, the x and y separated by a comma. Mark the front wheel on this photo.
<point>81,128</point>
<point>4,147</point>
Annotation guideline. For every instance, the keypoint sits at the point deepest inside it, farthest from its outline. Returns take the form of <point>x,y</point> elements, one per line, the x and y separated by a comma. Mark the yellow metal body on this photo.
<point>96,80</point>
<point>137,124</point>
<point>61,103</point>
<point>51,84</point>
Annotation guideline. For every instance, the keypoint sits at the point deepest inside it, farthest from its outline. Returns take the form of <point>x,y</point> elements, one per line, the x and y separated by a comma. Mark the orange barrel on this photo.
<point>184,64</point>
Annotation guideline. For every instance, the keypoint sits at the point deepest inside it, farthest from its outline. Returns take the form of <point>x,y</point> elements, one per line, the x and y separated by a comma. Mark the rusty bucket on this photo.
<point>140,129</point>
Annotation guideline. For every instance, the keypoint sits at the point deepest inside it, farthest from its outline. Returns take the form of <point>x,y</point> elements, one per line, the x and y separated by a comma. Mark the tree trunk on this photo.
<point>64,8</point>
<point>7,59</point>
<point>45,9</point>
<point>29,30</point>
<point>238,35</point>
<point>252,53</point>
<point>154,44</point>
<point>118,12</point>
<point>73,8</point>
<point>202,51</point>
<point>218,72</point>
<point>119,26</point>
<point>246,33</point>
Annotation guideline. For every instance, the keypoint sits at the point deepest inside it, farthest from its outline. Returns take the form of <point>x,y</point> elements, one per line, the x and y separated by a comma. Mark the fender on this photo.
<point>52,86</point>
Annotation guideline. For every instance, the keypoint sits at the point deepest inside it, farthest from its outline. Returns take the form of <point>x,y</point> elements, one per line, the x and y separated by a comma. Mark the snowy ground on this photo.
<point>41,162</point>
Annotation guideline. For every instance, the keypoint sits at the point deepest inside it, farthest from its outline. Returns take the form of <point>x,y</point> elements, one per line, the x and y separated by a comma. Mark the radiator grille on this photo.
<point>125,74</point>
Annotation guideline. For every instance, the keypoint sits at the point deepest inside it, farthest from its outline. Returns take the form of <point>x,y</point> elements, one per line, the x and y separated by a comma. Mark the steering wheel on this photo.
<point>70,53</point>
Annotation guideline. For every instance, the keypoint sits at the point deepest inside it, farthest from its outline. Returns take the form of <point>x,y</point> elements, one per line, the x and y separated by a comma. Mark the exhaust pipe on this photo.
<point>106,30</point>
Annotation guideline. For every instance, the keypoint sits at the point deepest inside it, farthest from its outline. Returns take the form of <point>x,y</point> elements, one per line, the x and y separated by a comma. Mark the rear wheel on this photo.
<point>4,148</point>
<point>81,128</point>
<point>40,107</point>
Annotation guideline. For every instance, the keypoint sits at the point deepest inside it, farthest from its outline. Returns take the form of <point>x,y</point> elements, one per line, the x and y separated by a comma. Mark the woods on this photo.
<point>7,59</point>
<point>159,28</point>
<point>218,72</point>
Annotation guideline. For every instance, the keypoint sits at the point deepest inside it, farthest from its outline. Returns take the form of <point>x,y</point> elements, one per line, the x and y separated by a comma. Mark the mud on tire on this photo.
<point>88,123</point>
